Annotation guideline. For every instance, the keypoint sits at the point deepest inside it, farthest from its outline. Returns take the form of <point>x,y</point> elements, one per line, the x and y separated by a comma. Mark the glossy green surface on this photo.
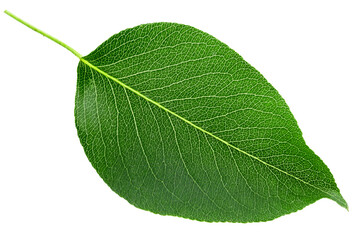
<point>177,123</point>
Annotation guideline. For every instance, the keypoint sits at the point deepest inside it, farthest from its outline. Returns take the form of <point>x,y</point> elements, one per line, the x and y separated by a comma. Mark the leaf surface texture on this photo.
<point>177,123</point>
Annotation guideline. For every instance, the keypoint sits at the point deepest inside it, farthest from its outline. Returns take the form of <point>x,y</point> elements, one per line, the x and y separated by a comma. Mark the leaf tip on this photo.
<point>337,197</point>
<point>343,203</point>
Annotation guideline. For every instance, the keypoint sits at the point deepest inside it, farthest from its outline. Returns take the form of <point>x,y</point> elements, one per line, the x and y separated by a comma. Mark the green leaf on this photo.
<point>177,123</point>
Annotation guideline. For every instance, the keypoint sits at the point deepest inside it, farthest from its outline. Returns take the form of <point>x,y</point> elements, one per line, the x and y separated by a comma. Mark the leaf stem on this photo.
<point>44,34</point>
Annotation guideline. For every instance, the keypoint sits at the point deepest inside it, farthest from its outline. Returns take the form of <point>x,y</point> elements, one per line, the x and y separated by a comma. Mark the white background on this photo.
<point>308,50</point>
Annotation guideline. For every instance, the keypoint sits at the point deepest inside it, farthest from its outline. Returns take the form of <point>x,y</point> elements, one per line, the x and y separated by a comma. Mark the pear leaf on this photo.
<point>178,123</point>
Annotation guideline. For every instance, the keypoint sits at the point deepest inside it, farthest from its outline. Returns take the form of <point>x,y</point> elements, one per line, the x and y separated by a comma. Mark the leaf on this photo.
<point>177,123</point>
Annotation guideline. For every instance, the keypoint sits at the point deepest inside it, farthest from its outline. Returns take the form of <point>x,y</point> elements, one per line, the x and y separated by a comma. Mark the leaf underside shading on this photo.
<point>177,123</point>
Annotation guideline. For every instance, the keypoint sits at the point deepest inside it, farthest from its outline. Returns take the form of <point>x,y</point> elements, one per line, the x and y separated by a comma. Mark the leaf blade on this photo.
<point>127,63</point>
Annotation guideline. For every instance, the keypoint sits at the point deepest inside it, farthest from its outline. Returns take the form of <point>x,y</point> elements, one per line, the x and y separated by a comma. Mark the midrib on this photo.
<point>199,128</point>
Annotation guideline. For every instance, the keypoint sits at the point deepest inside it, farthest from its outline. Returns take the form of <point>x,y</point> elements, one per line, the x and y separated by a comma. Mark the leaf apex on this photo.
<point>339,199</point>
